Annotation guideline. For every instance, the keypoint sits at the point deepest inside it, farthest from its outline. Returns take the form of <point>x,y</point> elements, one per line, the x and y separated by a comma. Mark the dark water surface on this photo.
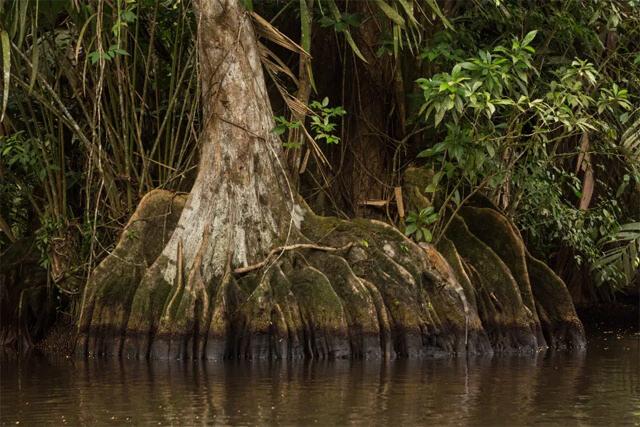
<point>600,386</point>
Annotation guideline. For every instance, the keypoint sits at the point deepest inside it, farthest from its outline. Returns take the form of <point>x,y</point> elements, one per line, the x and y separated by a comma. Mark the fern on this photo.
<point>620,261</point>
<point>630,141</point>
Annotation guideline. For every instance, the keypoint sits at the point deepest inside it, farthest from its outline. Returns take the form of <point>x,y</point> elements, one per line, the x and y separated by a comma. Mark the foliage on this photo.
<point>322,124</point>
<point>102,107</point>
<point>532,123</point>
<point>620,262</point>
<point>418,224</point>
<point>550,220</point>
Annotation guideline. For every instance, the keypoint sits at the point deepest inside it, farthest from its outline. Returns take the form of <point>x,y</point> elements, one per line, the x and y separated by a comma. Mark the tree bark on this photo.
<point>241,204</point>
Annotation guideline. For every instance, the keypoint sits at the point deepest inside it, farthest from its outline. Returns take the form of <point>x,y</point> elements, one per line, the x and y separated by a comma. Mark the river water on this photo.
<point>600,386</point>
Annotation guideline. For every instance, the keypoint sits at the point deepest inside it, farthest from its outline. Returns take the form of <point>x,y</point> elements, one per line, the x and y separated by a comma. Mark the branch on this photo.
<point>242,270</point>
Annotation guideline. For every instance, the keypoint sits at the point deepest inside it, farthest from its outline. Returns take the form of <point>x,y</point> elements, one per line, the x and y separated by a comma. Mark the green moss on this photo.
<point>501,296</point>
<point>316,295</point>
<point>397,288</point>
<point>287,305</point>
<point>257,310</point>
<point>495,230</point>
<point>248,283</point>
<point>551,292</point>
<point>419,177</point>
<point>449,252</point>
<point>111,290</point>
<point>356,300</point>
<point>318,228</point>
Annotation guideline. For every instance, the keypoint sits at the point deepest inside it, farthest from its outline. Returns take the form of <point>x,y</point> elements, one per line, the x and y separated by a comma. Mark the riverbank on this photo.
<point>621,318</point>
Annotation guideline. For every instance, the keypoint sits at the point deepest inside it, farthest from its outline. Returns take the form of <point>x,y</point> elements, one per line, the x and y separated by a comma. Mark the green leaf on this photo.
<point>411,228</point>
<point>426,235</point>
<point>407,5</point>
<point>248,4</point>
<point>426,211</point>
<point>433,4</point>
<point>529,37</point>
<point>439,116</point>
<point>347,34</point>
<point>326,22</point>
<point>468,66</point>
<point>391,13</point>
<point>6,70</point>
<point>456,197</point>
<point>491,150</point>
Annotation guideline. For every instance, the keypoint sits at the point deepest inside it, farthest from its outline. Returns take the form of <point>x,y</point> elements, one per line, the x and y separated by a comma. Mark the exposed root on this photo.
<point>496,232</point>
<point>558,316</point>
<point>282,249</point>
<point>112,286</point>
<point>508,322</point>
<point>355,289</point>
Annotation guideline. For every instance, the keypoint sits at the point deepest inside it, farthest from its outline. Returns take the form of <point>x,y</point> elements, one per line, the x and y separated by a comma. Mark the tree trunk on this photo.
<point>241,205</point>
<point>242,267</point>
<point>362,164</point>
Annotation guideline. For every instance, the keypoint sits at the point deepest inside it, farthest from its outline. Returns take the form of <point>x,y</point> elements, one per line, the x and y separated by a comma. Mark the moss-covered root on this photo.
<point>542,290</point>
<point>509,323</point>
<point>495,230</point>
<point>367,322</point>
<point>385,296</point>
<point>427,309</point>
<point>560,323</point>
<point>290,309</point>
<point>381,295</point>
<point>267,325</point>
<point>112,285</point>
<point>310,304</point>
<point>454,300</point>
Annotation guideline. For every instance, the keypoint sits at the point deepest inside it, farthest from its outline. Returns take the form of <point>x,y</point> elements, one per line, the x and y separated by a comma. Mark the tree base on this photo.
<point>375,294</point>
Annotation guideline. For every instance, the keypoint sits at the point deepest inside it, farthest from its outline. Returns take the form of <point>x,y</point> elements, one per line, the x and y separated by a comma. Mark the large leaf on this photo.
<point>630,141</point>
<point>622,256</point>
<point>391,12</point>
<point>6,70</point>
<point>347,34</point>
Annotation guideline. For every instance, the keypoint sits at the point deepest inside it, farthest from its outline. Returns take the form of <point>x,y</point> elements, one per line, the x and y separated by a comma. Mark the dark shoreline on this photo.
<point>621,317</point>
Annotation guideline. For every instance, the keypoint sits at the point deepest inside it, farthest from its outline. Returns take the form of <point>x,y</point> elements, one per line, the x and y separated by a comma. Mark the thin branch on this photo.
<point>281,249</point>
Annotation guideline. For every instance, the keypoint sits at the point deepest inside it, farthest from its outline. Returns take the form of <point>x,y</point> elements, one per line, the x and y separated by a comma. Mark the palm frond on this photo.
<point>630,141</point>
<point>619,263</point>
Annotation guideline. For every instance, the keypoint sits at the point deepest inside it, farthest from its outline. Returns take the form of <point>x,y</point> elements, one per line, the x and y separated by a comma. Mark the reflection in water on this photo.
<point>600,386</point>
